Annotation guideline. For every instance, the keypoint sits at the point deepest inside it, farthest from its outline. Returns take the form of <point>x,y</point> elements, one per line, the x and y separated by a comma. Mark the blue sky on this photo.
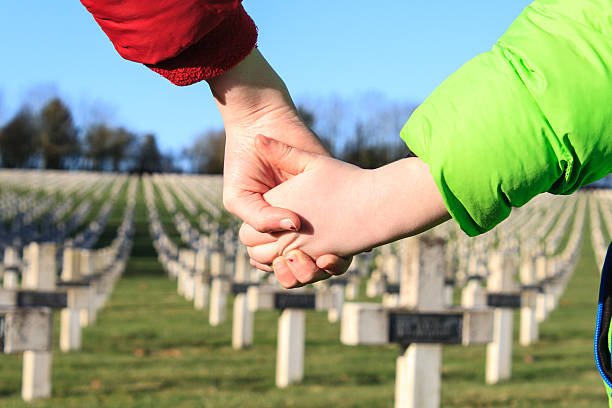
<point>399,49</point>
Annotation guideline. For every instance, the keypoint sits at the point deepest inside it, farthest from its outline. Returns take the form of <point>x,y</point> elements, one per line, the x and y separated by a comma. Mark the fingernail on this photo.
<point>295,256</point>
<point>287,224</point>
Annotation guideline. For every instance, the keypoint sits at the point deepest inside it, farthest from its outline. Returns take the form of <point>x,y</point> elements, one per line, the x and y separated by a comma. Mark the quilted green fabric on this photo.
<point>532,115</point>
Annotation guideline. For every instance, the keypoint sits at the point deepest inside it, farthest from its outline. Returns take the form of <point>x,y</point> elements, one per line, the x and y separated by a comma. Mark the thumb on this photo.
<point>334,264</point>
<point>286,158</point>
<point>254,210</point>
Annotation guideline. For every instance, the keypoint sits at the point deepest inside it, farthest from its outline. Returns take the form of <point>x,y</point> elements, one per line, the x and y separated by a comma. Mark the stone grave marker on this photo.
<point>78,292</point>
<point>12,267</point>
<point>500,296</point>
<point>220,288</point>
<point>28,320</point>
<point>291,325</point>
<point>201,279</point>
<point>420,325</point>
<point>529,329</point>
<point>186,273</point>
<point>242,321</point>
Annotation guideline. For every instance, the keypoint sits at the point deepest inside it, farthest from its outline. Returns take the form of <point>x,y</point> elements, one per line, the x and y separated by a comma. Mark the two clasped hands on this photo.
<point>305,214</point>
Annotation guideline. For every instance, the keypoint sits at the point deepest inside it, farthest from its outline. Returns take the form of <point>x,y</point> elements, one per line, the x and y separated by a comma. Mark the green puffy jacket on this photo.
<point>532,115</point>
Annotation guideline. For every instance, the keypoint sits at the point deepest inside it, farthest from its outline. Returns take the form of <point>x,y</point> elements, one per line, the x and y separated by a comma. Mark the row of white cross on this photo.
<point>416,278</point>
<point>85,282</point>
<point>529,247</point>
<point>601,215</point>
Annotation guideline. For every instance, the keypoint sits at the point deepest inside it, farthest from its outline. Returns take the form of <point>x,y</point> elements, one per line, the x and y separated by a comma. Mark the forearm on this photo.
<point>406,201</point>
<point>249,87</point>
<point>252,97</point>
<point>349,209</point>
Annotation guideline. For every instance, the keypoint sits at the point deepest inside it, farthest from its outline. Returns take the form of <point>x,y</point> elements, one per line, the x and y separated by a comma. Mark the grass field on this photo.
<point>150,348</point>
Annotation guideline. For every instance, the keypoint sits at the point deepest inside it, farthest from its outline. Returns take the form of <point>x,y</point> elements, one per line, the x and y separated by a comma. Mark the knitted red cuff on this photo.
<point>218,51</point>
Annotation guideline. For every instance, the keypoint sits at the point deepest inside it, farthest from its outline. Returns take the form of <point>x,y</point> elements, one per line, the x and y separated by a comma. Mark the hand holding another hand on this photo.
<point>252,99</point>
<point>343,210</point>
<point>322,191</point>
<point>277,186</point>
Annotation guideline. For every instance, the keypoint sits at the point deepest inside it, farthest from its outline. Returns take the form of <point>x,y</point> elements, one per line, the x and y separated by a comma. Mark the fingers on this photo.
<point>264,254</point>
<point>260,266</point>
<point>284,275</point>
<point>282,156</point>
<point>255,211</point>
<point>250,237</point>
<point>251,207</point>
<point>333,264</point>
<point>297,269</point>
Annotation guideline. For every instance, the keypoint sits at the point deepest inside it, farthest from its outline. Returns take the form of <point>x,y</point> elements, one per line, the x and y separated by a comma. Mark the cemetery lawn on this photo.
<point>150,348</point>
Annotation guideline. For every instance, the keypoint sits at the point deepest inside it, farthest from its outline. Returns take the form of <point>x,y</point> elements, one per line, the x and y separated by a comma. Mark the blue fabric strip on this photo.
<point>603,292</point>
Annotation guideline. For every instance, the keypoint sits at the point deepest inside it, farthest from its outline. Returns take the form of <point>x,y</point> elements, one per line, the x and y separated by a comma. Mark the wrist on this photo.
<point>253,99</point>
<point>405,202</point>
<point>249,90</point>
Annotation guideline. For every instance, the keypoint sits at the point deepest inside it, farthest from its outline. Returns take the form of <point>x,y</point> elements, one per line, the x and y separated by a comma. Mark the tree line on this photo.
<point>367,136</point>
<point>48,138</point>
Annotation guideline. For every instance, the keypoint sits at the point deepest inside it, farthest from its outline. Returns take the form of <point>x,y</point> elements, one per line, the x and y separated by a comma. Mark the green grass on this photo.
<point>94,212</point>
<point>150,348</point>
<point>115,217</point>
<point>167,219</point>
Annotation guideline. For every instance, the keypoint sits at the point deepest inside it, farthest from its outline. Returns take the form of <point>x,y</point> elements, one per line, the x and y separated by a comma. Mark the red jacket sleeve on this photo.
<point>186,41</point>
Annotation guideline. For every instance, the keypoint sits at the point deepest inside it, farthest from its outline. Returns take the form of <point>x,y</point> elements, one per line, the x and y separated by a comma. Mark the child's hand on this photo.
<point>343,209</point>
<point>329,196</point>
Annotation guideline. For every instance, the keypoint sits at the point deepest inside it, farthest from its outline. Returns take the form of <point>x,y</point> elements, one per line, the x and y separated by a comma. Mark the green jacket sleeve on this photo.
<point>532,115</point>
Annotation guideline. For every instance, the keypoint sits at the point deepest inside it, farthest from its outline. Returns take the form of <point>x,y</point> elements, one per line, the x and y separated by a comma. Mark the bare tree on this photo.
<point>206,153</point>
<point>309,118</point>
<point>37,96</point>
<point>363,131</point>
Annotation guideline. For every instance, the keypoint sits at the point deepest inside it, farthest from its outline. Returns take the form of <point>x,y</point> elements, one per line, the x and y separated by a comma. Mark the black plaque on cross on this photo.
<point>534,288</point>
<point>79,283</point>
<point>294,301</point>
<point>504,300</point>
<point>437,328</point>
<point>12,268</point>
<point>338,282</point>
<point>392,288</point>
<point>33,298</point>
<point>242,287</point>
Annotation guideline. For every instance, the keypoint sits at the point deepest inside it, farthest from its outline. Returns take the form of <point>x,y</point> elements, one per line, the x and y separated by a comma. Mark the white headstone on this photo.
<point>499,352</point>
<point>242,323</point>
<point>290,347</point>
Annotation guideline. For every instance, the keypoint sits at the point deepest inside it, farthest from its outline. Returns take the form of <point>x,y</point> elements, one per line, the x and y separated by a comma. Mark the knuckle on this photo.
<point>260,256</point>
<point>285,153</point>
<point>229,203</point>
<point>305,277</point>
<point>250,252</point>
<point>259,225</point>
<point>242,235</point>
<point>286,280</point>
